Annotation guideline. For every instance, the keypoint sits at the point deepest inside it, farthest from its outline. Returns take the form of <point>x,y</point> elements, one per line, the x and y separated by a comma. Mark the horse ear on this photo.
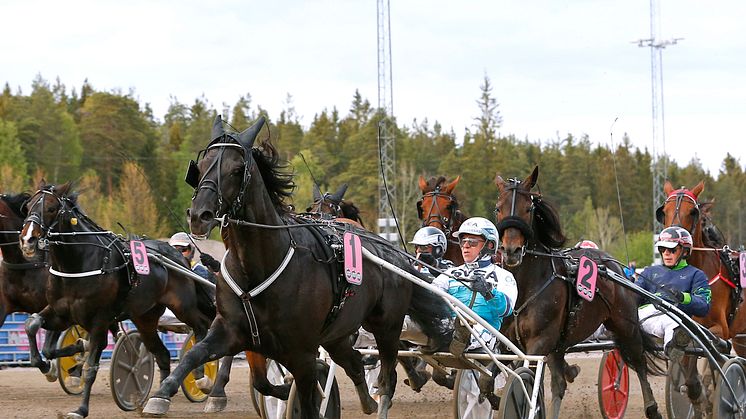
<point>42,183</point>
<point>530,181</point>
<point>65,188</point>
<point>699,188</point>
<point>316,193</point>
<point>499,182</point>
<point>248,136</point>
<point>340,193</point>
<point>451,186</point>
<point>423,183</point>
<point>217,128</point>
<point>667,187</point>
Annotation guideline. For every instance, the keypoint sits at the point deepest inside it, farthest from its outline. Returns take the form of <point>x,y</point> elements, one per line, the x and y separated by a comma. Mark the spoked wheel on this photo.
<point>514,404</point>
<point>71,367</point>
<point>613,385</point>
<point>726,403</point>
<point>466,403</point>
<point>189,385</point>
<point>333,405</point>
<point>678,404</point>
<point>270,407</point>
<point>131,372</point>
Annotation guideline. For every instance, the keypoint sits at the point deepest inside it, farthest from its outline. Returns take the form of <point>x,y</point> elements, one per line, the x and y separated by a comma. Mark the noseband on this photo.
<point>679,195</point>
<point>215,186</point>
<point>38,217</point>
<point>513,220</point>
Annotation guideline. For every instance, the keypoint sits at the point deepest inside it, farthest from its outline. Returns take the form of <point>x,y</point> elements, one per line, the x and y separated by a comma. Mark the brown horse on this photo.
<point>682,208</point>
<point>334,206</point>
<point>550,317</point>
<point>438,208</point>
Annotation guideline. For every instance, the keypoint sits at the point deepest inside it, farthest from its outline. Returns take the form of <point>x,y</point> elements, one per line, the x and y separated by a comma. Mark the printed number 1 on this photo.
<point>352,248</point>
<point>584,280</point>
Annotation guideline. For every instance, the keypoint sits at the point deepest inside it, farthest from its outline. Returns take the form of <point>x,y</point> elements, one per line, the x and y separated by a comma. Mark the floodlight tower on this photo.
<point>659,164</point>
<point>386,224</point>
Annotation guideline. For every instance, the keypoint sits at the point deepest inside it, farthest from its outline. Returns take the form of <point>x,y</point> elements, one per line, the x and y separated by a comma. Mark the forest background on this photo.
<point>130,165</point>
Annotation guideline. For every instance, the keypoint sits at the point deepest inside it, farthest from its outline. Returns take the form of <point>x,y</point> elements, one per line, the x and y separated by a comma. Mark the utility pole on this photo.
<point>659,164</point>
<point>386,187</point>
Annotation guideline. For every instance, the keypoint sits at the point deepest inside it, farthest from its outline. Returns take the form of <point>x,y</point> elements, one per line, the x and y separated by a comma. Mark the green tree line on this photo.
<point>129,165</point>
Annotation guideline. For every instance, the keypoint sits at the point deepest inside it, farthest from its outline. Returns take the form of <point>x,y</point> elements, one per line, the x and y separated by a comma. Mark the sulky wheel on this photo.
<point>270,407</point>
<point>466,404</point>
<point>514,404</point>
<point>71,367</point>
<point>333,405</point>
<point>678,404</point>
<point>613,385</point>
<point>131,373</point>
<point>189,386</point>
<point>726,404</point>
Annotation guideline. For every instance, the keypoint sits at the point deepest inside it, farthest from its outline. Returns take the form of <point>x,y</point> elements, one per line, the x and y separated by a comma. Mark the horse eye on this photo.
<point>51,210</point>
<point>237,172</point>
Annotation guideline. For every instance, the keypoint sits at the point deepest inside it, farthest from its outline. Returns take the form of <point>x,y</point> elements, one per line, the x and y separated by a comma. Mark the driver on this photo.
<point>675,281</point>
<point>488,289</point>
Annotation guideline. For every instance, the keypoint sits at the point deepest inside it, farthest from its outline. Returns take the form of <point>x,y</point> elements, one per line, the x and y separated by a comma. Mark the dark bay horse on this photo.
<point>94,283</point>
<point>439,208</point>
<point>726,318</point>
<point>334,205</point>
<point>276,294</point>
<point>549,316</point>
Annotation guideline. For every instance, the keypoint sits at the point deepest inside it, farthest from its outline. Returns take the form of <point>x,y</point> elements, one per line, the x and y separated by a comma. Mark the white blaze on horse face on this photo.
<point>29,233</point>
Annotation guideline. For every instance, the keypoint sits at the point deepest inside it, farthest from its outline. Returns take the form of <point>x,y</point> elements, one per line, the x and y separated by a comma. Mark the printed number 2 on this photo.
<point>354,251</point>
<point>584,280</point>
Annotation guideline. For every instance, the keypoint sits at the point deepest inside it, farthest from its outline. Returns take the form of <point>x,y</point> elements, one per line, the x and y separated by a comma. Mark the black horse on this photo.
<point>94,283</point>
<point>277,295</point>
<point>549,316</point>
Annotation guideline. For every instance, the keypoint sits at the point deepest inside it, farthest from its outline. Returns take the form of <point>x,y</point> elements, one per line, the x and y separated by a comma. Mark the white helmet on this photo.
<point>180,239</point>
<point>479,226</point>
<point>431,236</point>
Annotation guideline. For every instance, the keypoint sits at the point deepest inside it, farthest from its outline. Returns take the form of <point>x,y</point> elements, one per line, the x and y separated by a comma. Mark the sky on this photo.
<point>557,68</point>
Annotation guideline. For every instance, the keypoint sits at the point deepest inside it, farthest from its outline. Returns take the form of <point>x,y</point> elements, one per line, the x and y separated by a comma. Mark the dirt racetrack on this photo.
<point>26,394</point>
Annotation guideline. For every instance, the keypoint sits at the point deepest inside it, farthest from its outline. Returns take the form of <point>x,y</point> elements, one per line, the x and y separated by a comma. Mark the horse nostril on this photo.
<point>207,216</point>
<point>189,212</point>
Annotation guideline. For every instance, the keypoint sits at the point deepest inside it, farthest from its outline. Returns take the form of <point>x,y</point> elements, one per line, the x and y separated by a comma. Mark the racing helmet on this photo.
<point>431,236</point>
<point>180,239</point>
<point>670,237</point>
<point>480,226</point>
<point>586,244</point>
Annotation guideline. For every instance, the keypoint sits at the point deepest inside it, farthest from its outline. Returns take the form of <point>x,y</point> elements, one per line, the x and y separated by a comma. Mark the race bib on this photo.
<point>587,275</point>
<point>140,257</point>
<point>353,258</point>
<point>742,268</point>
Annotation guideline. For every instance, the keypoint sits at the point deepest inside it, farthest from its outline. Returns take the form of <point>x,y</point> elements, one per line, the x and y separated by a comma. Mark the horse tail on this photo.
<point>205,301</point>
<point>651,355</point>
<point>433,315</point>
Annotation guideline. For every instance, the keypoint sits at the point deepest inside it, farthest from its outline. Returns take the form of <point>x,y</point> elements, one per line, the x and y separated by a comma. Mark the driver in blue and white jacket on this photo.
<point>492,288</point>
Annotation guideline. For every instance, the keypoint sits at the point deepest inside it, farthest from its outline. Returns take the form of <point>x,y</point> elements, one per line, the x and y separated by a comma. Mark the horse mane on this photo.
<point>711,234</point>
<point>15,202</point>
<point>547,227</point>
<point>351,211</point>
<point>277,179</point>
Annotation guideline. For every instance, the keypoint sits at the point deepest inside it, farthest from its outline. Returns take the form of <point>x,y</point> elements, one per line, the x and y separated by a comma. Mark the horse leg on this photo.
<point>33,323</point>
<point>217,401</point>
<point>694,388</point>
<point>556,363</point>
<point>344,355</point>
<point>218,343</point>
<point>633,347</point>
<point>147,325</point>
<point>303,368</point>
<point>97,340</point>
<point>388,347</point>
<point>258,364</point>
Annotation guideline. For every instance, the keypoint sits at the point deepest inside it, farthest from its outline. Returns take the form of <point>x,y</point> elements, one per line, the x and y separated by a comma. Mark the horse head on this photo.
<point>524,218</point>
<point>329,204</point>
<point>438,206</point>
<point>680,207</point>
<point>49,208</point>
<point>12,210</point>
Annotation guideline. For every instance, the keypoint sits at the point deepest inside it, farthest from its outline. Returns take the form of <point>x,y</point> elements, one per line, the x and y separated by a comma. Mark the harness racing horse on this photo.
<point>334,205</point>
<point>276,293</point>
<point>726,318</point>
<point>549,316</point>
<point>438,208</point>
<point>94,283</point>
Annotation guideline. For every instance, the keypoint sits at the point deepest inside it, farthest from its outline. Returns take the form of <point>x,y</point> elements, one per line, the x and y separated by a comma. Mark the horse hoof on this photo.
<point>216,404</point>
<point>51,374</point>
<point>204,384</point>
<point>571,372</point>
<point>156,406</point>
<point>73,415</point>
<point>72,381</point>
